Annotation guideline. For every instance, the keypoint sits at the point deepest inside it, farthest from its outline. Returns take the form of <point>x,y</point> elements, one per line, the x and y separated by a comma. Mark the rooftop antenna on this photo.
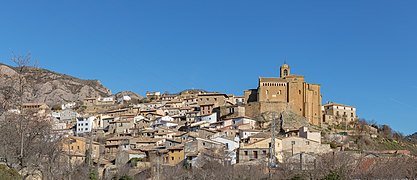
<point>285,61</point>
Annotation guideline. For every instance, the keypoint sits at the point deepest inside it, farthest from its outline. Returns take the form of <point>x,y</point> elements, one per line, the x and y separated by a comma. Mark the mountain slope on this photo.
<point>41,85</point>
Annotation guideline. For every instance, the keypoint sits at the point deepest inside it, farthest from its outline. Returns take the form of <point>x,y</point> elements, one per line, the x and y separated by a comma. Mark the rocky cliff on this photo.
<point>41,85</point>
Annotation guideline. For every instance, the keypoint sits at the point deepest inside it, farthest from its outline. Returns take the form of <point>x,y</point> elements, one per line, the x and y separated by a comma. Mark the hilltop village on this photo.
<point>281,120</point>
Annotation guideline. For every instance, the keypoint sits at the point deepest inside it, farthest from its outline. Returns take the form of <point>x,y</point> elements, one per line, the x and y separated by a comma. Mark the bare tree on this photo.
<point>27,141</point>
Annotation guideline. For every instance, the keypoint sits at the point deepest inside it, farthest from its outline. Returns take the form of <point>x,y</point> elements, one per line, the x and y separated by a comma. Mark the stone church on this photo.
<point>288,92</point>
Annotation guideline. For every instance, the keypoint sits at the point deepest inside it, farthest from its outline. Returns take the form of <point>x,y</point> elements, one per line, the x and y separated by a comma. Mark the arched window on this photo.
<point>285,72</point>
<point>266,91</point>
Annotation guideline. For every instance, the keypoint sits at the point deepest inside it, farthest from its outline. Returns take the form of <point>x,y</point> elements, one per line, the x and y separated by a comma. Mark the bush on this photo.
<point>333,145</point>
<point>134,161</point>
<point>332,176</point>
<point>6,173</point>
<point>125,177</point>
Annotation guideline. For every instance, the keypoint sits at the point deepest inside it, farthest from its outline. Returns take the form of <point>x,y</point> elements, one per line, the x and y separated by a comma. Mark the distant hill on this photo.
<point>193,91</point>
<point>131,94</point>
<point>412,138</point>
<point>46,86</point>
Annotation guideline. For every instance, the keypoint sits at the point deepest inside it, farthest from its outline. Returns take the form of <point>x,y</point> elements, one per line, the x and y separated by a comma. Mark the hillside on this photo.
<point>41,85</point>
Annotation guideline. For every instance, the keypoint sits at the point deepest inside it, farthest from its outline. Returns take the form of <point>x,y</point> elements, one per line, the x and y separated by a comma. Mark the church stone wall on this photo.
<point>286,92</point>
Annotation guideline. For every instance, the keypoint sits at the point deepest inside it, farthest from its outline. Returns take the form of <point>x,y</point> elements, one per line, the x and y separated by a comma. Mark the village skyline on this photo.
<point>215,89</point>
<point>362,53</point>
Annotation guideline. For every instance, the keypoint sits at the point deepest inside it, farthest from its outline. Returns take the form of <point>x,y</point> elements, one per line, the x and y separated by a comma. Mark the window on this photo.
<point>266,92</point>
<point>86,129</point>
<point>172,158</point>
<point>307,142</point>
<point>215,99</point>
<point>246,153</point>
<point>86,124</point>
<point>264,152</point>
<point>285,72</point>
<point>255,154</point>
<point>299,91</point>
<point>204,143</point>
<point>292,142</point>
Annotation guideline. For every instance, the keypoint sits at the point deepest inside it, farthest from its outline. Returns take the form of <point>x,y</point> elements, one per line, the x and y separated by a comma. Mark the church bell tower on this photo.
<point>285,70</point>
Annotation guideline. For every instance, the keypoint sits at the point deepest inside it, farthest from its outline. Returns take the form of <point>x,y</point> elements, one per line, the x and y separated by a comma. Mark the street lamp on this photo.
<point>292,148</point>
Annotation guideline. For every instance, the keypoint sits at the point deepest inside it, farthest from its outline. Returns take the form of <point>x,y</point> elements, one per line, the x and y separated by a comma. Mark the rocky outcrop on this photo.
<point>41,85</point>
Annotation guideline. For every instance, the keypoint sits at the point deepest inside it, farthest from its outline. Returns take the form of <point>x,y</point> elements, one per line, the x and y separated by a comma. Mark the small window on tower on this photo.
<point>285,72</point>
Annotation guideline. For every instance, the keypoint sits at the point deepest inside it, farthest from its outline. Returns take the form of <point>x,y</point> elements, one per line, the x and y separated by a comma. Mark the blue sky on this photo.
<point>363,53</point>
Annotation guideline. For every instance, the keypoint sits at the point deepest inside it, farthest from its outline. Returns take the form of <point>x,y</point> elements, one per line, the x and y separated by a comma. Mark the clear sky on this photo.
<point>363,53</point>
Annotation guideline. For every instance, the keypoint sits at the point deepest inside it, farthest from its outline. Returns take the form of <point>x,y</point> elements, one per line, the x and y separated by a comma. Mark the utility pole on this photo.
<point>69,141</point>
<point>272,148</point>
<point>90,149</point>
<point>158,165</point>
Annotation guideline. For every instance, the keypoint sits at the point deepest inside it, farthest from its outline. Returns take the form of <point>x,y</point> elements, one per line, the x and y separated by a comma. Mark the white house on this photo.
<point>165,121</point>
<point>107,99</point>
<point>123,99</point>
<point>231,148</point>
<point>136,119</point>
<point>305,133</point>
<point>56,115</point>
<point>245,133</point>
<point>211,118</point>
<point>68,105</point>
<point>244,120</point>
<point>84,125</point>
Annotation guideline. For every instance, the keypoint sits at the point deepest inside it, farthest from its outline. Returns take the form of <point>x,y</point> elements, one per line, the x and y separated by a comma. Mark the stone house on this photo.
<point>76,148</point>
<point>174,155</point>
<point>259,150</point>
<point>197,149</point>
<point>335,114</point>
<point>116,144</point>
<point>138,142</point>
<point>295,145</point>
<point>121,126</point>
